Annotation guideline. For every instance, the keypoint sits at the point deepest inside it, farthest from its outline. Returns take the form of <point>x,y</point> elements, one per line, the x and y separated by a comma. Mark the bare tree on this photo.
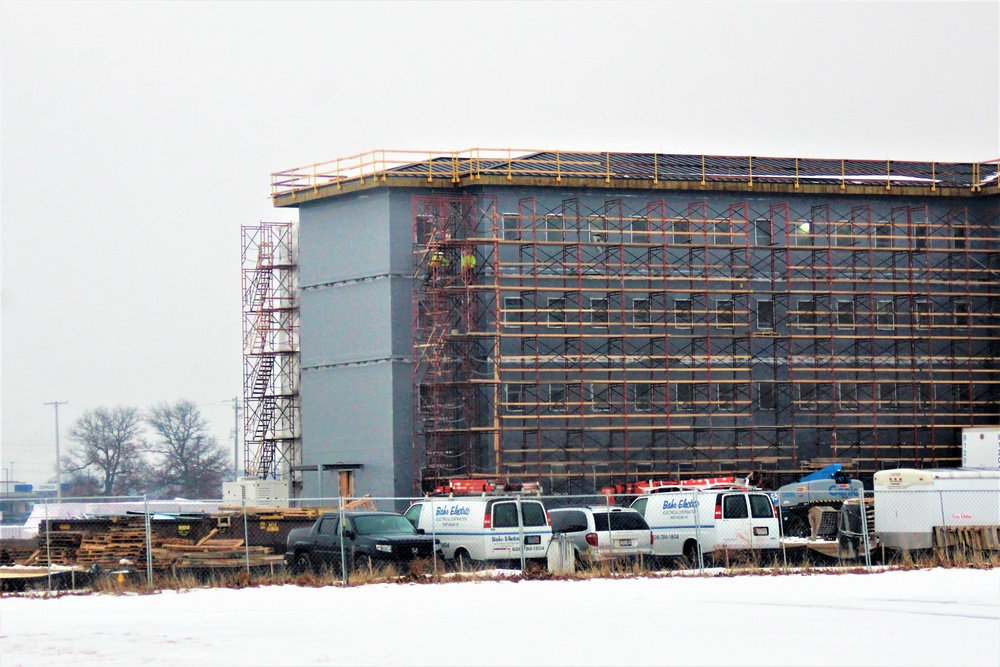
<point>106,455</point>
<point>191,463</point>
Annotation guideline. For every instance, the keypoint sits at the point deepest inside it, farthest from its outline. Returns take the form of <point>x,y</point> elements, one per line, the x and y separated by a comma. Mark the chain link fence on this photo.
<point>79,540</point>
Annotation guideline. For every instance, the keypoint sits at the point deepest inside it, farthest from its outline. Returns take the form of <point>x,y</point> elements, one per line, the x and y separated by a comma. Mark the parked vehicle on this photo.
<point>908,506</point>
<point>484,528</point>
<point>712,519</point>
<point>600,532</point>
<point>981,447</point>
<point>367,537</point>
<point>827,487</point>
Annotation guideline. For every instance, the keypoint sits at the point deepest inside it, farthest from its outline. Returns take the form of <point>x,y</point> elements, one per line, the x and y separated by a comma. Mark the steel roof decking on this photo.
<point>473,164</point>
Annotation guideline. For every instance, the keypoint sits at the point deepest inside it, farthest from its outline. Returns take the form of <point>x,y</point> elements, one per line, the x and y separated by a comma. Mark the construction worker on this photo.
<point>468,264</point>
<point>439,260</point>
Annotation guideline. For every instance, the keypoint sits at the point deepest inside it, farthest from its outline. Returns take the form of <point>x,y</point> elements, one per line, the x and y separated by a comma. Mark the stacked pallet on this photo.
<point>210,552</point>
<point>275,512</point>
<point>60,548</point>
<point>110,549</point>
<point>17,551</point>
<point>966,538</point>
<point>365,502</point>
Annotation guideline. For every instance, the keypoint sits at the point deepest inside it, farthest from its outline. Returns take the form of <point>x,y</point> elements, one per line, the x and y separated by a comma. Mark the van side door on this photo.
<point>764,523</point>
<point>504,533</point>
<point>537,532</point>
<point>734,528</point>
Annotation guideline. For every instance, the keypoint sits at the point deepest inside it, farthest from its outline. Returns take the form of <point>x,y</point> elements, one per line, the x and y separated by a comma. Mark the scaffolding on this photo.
<point>270,350</point>
<point>618,341</point>
<point>455,354</point>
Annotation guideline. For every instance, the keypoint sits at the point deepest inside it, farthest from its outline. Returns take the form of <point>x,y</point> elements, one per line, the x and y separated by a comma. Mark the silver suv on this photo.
<point>602,532</point>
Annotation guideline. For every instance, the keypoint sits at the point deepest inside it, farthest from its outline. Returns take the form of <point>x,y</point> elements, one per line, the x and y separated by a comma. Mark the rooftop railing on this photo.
<point>508,163</point>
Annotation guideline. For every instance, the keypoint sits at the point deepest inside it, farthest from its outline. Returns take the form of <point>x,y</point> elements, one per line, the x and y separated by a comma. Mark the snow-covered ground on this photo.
<point>936,617</point>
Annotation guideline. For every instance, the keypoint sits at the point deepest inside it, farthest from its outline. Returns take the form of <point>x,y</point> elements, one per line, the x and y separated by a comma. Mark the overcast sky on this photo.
<point>139,137</point>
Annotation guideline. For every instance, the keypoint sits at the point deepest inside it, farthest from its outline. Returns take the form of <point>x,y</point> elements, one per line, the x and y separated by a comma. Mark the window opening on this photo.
<point>640,312</point>
<point>682,312</point>
<point>765,315</point>
<point>557,312</point>
<point>724,312</point>
<point>765,395</point>
<point>807,313</point>
<point>515,398</point>
<point>599,312</point>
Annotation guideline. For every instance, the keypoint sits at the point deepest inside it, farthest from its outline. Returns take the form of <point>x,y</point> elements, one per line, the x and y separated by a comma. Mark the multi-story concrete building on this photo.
<point>589,318</point>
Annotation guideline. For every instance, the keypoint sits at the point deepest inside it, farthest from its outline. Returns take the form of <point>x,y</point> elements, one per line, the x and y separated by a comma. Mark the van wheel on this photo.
<point>303,563</point>
<point>463,560</point>
<point>690,553</point>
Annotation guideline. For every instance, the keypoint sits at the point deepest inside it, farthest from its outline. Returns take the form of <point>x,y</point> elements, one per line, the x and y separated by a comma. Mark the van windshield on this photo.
<point>383,524</point>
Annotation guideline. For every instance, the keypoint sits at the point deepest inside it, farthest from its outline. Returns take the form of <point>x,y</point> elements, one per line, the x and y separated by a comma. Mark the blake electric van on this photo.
<point>484,528</point>
<point>717,520</point>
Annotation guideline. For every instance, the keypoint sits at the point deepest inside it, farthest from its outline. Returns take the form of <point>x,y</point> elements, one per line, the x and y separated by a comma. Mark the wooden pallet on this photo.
<point>59,547</point>
<point>112,547</point>
<point>966,538</point>
<point>365,502</point>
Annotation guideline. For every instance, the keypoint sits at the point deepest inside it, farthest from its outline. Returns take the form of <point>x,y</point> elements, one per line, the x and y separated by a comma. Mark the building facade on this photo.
<point>586,319</point>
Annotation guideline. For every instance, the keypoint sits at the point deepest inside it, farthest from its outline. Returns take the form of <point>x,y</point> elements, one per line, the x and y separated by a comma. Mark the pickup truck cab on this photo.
<point>367,537</point>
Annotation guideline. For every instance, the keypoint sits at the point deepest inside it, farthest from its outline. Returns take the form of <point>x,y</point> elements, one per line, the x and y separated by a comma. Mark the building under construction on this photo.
<point>583,319</point>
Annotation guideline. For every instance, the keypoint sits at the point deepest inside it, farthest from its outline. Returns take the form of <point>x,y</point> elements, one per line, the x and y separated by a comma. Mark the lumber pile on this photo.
<point>365,502</point>
<point>110,548</point>
<point>18,552</point>
<point>60,549</point>
<point>966,538</point>
<point>210,552</point>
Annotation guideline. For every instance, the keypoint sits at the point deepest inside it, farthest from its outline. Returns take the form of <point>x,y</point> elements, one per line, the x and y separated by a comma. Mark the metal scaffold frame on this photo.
<point>454,350</point>
<point>270,350</point>
<point>618,342</point>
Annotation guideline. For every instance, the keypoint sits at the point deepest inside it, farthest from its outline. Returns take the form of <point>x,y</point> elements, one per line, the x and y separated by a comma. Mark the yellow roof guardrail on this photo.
<point>508,163</point>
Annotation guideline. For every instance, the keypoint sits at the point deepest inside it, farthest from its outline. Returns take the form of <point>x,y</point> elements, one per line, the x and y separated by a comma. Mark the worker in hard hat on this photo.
<point>468,264</point>
<point>439,260</point>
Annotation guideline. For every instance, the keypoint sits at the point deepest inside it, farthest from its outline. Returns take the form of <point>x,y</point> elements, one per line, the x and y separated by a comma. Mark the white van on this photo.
<point>723,519</point>
<point>484,528</point>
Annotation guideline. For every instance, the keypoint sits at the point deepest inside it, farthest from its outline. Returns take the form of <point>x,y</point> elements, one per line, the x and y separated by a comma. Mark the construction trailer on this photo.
<point>588,319</point>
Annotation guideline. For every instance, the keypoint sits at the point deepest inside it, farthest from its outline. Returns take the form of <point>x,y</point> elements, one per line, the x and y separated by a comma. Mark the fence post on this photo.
<point>697,531</point>
<point>48,549</point>
<point>246,535</point>
<point>520,530</point>
<point>434,557</point>
<point>781,534</point>
<point>944,529</point>
<point>864,529</point>
<point>340,534</point>
<point>149,542</point>
<point>611,541</point>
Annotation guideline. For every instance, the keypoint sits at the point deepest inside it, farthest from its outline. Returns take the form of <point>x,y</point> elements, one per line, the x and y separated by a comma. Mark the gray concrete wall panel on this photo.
<point>341,239</point>
<point>347,418</point>
<point>347,323</point>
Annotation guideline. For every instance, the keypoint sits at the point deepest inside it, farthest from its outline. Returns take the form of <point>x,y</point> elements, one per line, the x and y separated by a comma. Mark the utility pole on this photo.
<point>237,409</point>
<point>56,405</point>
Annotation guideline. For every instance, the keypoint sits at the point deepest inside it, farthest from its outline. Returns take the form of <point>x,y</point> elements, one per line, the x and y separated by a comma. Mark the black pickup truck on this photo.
<point>368,537</point>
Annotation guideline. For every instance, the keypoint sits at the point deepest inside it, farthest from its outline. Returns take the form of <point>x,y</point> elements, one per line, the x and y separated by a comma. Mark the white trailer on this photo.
<point>910,503</point>
<point>981,448</point>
